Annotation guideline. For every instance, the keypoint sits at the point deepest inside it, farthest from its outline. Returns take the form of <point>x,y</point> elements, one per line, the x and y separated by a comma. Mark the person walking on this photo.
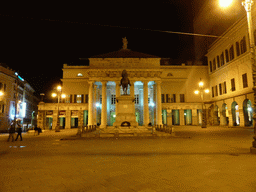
<point>11,132</point>
<point>19,130</point>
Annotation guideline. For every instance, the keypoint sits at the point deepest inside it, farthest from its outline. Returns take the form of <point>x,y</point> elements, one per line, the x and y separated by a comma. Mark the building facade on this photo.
<point>15,89</point>
<point>163,93</point>
<point>211,20</point>
<point>230,72</point>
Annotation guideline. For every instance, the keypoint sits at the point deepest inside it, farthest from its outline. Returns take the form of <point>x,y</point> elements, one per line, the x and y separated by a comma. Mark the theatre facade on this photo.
<point>163,92</point>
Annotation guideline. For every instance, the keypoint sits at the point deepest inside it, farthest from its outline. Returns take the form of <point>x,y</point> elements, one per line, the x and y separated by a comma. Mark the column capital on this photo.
<point>158,82</point>
<point>90,82</point>
<point>104,82</point>
<point>145,82</point>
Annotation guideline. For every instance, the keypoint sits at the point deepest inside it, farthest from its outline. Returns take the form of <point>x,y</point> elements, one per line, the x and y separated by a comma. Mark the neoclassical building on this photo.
<point>163,92</point>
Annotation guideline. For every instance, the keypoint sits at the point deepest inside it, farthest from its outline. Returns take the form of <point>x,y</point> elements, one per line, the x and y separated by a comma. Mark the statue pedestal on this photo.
<point>125,118</point>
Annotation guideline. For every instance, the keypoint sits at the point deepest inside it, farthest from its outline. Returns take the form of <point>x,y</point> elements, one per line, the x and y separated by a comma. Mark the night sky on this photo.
<point>38,38</point>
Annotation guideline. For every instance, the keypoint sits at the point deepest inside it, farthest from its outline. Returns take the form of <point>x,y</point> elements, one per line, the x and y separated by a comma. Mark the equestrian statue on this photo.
<point>125,82</point>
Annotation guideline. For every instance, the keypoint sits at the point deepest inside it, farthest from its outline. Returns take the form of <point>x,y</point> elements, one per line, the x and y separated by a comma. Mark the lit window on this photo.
<point>79,99</point>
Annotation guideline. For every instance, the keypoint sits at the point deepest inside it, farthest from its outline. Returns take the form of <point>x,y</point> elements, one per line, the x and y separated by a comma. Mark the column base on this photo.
<point>103,126</point>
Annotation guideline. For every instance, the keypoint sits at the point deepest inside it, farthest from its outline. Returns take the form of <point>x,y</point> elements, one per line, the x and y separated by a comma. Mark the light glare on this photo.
<point>59,88</point>
<point>54,95</point>
<point>196,92</point>
<point>225,3</point>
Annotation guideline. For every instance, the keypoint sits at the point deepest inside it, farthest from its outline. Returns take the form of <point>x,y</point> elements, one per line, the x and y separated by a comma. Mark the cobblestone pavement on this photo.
<point>211,159</point>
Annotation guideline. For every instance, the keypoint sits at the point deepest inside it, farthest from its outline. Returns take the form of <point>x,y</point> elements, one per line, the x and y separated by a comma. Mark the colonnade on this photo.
<point>92,102</point>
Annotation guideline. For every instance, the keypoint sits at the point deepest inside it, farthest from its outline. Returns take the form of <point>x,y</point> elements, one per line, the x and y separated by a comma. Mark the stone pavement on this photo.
<point>212,159</point>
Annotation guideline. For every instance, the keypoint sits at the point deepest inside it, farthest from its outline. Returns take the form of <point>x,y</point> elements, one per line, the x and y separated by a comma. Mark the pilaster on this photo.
<point>194,117</point>
<point>68,119</point>
<point>182,117</point>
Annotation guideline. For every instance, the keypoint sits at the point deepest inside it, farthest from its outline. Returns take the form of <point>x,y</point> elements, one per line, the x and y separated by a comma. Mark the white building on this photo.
<point>16,89</point>
<point>164,93</point>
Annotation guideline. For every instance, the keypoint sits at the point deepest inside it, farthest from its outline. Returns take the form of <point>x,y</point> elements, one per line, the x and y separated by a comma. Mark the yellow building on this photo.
<point>163,93</point>
<point>230,72</point>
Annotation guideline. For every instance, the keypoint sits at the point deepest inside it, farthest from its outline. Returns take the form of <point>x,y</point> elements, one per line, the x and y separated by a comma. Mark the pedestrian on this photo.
<point>19,130</point>
<point>36,130</point>
<point>11,131</point>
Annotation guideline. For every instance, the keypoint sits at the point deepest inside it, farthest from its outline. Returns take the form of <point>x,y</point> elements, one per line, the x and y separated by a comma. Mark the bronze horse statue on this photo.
<point>125,82</point>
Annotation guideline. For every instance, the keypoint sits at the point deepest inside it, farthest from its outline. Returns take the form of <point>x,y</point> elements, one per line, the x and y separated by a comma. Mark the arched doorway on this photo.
<point>235,114</point>
<point>224,114</point>
<point>247,109</point>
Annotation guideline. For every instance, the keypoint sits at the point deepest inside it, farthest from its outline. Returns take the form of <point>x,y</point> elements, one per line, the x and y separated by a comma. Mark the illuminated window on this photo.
<point>79,99</point>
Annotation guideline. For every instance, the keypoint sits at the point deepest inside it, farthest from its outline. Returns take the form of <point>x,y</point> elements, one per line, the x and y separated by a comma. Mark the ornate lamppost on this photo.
<point>201,91</point>
<point>60,96</point>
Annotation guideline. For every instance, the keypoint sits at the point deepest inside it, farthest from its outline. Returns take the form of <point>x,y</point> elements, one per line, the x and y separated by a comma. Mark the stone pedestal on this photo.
<point>125,116</point>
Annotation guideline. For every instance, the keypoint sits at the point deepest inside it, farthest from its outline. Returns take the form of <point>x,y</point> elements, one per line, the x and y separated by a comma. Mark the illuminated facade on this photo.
<point>163,92</point>
<point>230,71</point>
<point>13,86</point>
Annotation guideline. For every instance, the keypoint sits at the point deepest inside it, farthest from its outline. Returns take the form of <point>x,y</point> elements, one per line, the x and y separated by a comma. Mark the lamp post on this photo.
<point>2,102</point>
<point>248,7</point>
<point>60,96</point>
<point>201,91</point>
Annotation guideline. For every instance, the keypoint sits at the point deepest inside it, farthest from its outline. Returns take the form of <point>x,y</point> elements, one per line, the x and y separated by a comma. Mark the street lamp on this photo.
<point>201,91</point>
<point>60,96</point>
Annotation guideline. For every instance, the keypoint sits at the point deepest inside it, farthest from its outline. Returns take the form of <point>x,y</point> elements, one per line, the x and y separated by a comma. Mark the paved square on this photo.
<point>212,159</point>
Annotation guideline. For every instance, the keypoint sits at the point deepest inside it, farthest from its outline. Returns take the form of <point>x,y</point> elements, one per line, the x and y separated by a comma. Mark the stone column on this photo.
<point>104,105</point>
<point>230,118</point>
<point>41,119</point>
<point>182,117</point>
<point>241,117</point>
<point>90,104</point>
<point>194,117</point>
<point>158,104</point>
<point>145,107</point>
<point>80,118</point>
<point>94,105</point>
<point>68,119</point>
<point>169,117</point>
<point>117,94</point>
<point>54,119</point>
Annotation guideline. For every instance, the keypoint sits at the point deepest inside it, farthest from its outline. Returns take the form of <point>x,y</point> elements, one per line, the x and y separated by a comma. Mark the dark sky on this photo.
<point>37,38</point>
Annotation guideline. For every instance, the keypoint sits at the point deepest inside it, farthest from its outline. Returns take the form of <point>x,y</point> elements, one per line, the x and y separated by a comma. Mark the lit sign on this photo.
<point>21,110</point>
<point>20,78</point>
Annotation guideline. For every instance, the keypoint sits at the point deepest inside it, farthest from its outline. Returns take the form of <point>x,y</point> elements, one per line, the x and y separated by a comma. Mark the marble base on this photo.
<point>125,117</point>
